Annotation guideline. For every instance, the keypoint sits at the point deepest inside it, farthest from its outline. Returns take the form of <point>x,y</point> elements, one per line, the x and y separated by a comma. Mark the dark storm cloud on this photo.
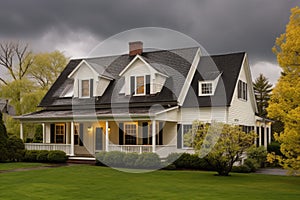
<point>219,25</point>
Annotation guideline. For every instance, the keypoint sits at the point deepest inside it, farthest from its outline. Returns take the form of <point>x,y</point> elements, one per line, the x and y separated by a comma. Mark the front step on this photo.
<point>81,160</point>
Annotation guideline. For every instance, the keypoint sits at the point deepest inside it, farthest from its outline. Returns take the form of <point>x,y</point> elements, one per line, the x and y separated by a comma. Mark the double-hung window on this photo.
<point>85,88</point>
<point>242,90</point>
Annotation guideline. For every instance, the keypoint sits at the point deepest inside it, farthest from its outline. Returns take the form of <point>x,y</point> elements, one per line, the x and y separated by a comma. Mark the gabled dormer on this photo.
<point>140,76</point>
<point>90,79</point>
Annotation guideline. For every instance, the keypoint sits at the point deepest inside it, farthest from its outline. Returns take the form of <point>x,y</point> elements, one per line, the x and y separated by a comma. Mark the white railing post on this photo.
<point>106,136</point>
<point>72,139</point>
<point>153,135</point>
<point>44,132</point>
<point>21,131</point>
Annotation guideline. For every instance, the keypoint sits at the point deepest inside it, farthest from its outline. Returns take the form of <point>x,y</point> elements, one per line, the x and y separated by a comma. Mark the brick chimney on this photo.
<point>135,48</point>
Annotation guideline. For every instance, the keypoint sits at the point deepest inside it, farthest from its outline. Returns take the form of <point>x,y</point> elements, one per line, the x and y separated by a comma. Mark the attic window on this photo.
<point>86,88</point>
<point>205,88</point>
<point>140,85</point>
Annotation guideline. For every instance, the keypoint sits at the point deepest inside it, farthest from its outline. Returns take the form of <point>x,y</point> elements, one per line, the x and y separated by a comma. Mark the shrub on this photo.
<point>130,159</point>
<point>241,169</point>
<point>187,161</point>
<point>274,147</point>
<point>252,164</point>
<point>15,149</point>
<point>170,167</point>
<point>259,154</point>
<point>114,159</point>
<point>100,158</point>
<point>57,156</point>
<point>31,155</point>
<point>148,161</point>
<point>42,156</point>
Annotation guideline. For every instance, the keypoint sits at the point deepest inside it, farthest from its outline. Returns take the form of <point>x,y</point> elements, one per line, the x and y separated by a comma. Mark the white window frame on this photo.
<point>64,131</point>
<point>80,88</point>
<point>182,136</point>
<point>136,131</point>
<point>206,82</point>
<point>135,85</point>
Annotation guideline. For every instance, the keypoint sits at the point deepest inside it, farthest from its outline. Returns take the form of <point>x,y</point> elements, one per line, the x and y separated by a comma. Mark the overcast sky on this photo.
<point>220,26</point>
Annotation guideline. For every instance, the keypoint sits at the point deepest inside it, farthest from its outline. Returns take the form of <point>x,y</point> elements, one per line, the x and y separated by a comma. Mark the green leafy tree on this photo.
<point>285,99</point>
<point>262,91</point>
<point>221,145</point>
<point>3,140</point>
<point>46,67</point>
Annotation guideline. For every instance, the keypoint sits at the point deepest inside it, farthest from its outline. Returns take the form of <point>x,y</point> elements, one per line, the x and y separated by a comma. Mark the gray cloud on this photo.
<point>219,25</point>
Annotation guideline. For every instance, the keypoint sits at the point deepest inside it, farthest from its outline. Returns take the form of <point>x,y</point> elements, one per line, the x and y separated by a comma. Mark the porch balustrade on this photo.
<point>50,147</point>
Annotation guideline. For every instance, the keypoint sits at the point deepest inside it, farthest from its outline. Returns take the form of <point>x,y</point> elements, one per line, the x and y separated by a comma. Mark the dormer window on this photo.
<point>140,85</point>
<point>85,88</point>
<point>206,88</point>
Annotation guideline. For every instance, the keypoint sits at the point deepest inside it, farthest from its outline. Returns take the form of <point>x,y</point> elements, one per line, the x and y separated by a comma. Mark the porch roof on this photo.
<point>90,114</point>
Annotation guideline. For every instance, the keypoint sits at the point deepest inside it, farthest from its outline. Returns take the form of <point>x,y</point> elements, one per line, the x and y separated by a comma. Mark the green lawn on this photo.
<point>10,166</point>
<point>92,182</point>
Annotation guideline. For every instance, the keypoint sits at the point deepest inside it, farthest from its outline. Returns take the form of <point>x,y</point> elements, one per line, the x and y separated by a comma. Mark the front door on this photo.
<point>99,139</point>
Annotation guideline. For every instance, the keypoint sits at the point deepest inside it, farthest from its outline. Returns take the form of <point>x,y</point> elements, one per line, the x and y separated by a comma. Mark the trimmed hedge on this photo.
<point>45,156</point>
<point>128,160</point>
<point>187,161</point>
<point>57,156</point>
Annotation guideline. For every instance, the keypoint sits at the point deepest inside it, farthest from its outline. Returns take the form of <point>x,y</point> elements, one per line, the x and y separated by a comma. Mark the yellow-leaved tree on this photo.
<point>285,99</point>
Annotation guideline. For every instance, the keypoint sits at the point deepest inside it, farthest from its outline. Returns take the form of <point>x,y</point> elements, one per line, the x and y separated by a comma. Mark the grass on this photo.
<point>17,165</point>
<point>92,182</point>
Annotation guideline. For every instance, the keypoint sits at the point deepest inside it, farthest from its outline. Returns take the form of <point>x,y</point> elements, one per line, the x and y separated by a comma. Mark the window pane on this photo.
<point>140,85</point>
<point>187,135</point>
<point>206,88</point>
<point>85,88</point>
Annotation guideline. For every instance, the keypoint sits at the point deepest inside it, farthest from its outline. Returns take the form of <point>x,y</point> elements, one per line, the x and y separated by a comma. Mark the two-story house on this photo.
<point>145,101</point>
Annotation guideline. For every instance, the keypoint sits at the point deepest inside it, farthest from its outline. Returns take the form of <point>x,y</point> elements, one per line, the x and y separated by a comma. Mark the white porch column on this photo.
<point>259,135</point>
<point>72,138</point>
<point>68,137</point>
<point>106,136</point>
<point>44,133</point>
<point>265,135</point>
<point>269,142</point>
<point>21,131</point>
<point>153,135</point>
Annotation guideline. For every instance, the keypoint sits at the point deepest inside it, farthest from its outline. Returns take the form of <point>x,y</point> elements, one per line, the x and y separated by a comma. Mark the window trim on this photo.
<point>80,94</point>
<point>200,88</point>
<point>182,136</point>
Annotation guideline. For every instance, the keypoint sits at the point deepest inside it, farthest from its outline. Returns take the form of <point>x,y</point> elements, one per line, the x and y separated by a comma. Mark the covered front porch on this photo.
<point>85,137</point>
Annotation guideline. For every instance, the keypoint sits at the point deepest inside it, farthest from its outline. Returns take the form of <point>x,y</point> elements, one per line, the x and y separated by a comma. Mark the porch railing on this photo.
<point>162,150</point>
<point>130,148</point>
<point>50,147</point>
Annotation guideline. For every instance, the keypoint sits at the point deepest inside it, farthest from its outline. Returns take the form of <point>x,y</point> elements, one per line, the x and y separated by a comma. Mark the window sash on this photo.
<point>60,133</point>
<point>130,133</point>
<point>206,88</point>
<point>140,85</point>
<point>85,88</point>
<point>187,140</point>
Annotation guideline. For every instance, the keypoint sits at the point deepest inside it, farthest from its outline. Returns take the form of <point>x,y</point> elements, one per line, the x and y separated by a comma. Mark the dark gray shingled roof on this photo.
<point>175,63</point>
<point>229,66</point>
